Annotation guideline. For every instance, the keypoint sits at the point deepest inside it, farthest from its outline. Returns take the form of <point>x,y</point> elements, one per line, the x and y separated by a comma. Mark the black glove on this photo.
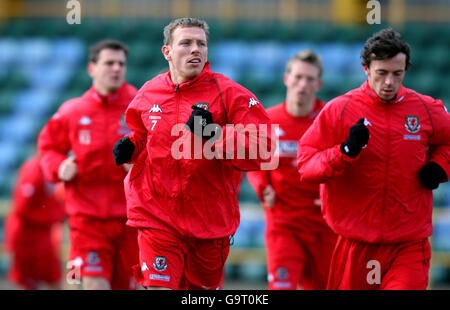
<point>203,119</point>
<point>359,136</point>
<point>123,150</point>
<point>431,175</point>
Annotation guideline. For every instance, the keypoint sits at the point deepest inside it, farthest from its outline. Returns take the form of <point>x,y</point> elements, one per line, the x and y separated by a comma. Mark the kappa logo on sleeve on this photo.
<point>252,102</point>
<point>155,109</point>
<point>144,267</point>
<point>279,132</point>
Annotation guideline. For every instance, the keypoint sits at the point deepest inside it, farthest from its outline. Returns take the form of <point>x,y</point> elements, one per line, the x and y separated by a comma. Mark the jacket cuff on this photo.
<point>444,164</point>
<point>340,161</point>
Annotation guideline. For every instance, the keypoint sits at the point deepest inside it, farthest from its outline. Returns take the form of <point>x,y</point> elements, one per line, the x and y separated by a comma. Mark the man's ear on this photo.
<point>166,52</point>
<point>366,70</point>
<point>319,84</point>
<point>91,68</point>
<point>285,78</point>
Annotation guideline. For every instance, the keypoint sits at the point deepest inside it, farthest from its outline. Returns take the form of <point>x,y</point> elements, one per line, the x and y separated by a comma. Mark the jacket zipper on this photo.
<point>177,100</point>
<point>386,171</point>
<point>105,102</point>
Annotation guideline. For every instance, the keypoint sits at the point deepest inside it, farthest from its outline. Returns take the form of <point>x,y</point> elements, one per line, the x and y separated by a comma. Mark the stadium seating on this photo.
<point>37,70</point>
<point>51,62</point>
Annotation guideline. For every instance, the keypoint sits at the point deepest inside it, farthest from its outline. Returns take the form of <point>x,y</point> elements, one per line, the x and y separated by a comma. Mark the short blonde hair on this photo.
<point>307,56</point>
<point>184,22</point>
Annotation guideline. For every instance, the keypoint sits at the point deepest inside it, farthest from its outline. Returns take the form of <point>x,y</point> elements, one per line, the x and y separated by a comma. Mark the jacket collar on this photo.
<point>365,88</point>
<point>110,98</point>
<point>315,110</point>
<point>205,72</point>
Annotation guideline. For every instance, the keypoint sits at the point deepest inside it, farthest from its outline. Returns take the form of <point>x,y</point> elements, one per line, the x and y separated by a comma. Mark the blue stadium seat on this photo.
<point>230,71</point>
<point>264,60</point>
<point>18,129</point>
<point>69,50</point>
<point>230,53</point>
<point>9,52</point>
<point>242,237</point>
<point>290,48</point>
<point>34,51</point>
<point>54,76</point>
<point>333,57</point>
<point>250,232</point>
<point>441,196</point>
<point>35,102</point>
<point>9,156</point>
<point>441,231</point>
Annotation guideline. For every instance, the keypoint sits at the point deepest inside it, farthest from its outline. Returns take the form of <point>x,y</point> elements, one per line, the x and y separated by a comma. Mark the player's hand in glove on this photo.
<point>431,175</point>
<point>123,150</point>
<point>357,139</point>
<point>197,122</point>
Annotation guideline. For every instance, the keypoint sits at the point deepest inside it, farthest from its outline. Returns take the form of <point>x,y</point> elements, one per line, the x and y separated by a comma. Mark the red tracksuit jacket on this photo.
<point>294,202</point>
<point>193,197</point>
<point>35,202</point>
<point>377,196</point>
<point>89,126</point>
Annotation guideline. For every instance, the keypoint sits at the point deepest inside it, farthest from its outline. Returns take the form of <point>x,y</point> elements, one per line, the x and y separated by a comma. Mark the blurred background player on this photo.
<point>34,230</point>
<point>380,150</point>
<point>185,208</point>
<point>102,247</point>
<point>298,241</point>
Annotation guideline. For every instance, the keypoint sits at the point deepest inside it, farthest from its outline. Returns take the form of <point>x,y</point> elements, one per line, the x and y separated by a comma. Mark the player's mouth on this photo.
<point>195,61</point>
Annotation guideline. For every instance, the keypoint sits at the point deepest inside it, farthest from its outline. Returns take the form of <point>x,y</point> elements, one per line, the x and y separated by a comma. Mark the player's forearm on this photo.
<point>318,166</point>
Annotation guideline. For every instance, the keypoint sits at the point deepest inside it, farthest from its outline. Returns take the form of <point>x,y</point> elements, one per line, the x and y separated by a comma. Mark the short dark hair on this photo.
<point>385,44</point>
<point>184,22</point>
<point>95,49</point>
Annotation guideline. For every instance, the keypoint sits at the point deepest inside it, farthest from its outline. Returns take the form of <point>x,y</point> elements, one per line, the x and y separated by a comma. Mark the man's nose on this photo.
<point>116,66</point>
<point>195,47</point>
<point>302,83</point>
<point>389,80</point>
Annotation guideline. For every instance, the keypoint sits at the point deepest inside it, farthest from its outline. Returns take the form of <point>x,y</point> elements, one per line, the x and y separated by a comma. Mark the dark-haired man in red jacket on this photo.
<point>379,151</point>
<point>75,146</point>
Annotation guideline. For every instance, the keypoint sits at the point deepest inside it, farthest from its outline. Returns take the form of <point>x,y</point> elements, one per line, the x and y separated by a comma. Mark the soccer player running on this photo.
<point>33,229</point>
<point>186,208</point>
<point>102,247</point>
<point>298,241</point>
<point>379,151</point>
